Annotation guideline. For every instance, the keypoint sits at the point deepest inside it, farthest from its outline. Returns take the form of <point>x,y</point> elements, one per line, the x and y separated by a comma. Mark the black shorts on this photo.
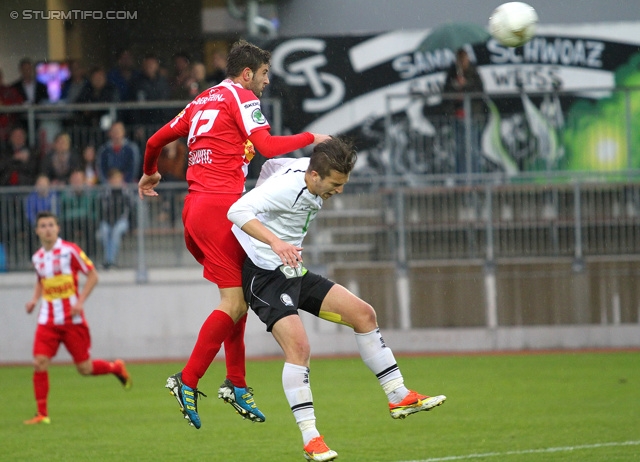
<point>275,294</point>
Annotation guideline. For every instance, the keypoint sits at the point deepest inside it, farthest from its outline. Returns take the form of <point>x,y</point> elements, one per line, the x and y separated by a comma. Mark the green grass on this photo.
<point>502,404</point>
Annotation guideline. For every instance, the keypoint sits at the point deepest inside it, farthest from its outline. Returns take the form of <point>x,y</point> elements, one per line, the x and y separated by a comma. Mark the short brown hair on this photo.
<point>333,154</point>
<point>244,54</point>
<point>46,214</point>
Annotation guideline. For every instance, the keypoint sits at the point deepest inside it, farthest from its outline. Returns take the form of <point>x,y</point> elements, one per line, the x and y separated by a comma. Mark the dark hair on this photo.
<point>334,154</point>
<point>244,54</point>
<point>46,214</point>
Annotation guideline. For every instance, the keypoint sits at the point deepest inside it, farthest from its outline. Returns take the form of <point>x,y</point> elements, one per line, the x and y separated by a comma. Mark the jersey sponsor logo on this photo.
<point>207,99</point>
<point>58,287</point>
<point>284,298</point>
<point>251,104</point>
<point>258,117</point>
<point>291,273</point>
<point>200,156</point>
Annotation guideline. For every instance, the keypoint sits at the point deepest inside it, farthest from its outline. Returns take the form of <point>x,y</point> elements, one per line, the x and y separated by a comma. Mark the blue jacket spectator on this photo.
<point>43,198</point>
<point>118,154</point>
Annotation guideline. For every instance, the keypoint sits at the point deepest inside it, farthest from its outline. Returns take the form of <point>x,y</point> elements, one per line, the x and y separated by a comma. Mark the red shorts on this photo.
<point>76,339</point>
<point>208,236</point>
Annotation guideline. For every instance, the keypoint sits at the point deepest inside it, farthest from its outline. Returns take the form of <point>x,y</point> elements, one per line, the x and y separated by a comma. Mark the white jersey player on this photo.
<point>271,222</point>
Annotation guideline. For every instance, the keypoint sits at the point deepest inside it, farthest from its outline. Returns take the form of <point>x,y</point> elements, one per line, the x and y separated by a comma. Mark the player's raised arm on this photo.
<point>271,146</point>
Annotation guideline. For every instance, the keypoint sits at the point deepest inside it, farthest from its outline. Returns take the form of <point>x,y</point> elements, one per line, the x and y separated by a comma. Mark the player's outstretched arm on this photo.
<point>317,139</point>
<point>270,146</point>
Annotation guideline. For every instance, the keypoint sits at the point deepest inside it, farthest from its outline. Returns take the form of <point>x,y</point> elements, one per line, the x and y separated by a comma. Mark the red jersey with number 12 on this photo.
<point>58,273</point>
<point>217,124</point>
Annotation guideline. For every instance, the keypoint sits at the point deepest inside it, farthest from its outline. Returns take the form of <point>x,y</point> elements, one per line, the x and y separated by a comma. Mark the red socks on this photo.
<point>234,354</point>
<point>41,389</point>
<point>213,332</point>
<point>101,367</point>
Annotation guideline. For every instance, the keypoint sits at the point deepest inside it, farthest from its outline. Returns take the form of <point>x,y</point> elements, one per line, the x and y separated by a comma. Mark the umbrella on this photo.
<point>454,35</point>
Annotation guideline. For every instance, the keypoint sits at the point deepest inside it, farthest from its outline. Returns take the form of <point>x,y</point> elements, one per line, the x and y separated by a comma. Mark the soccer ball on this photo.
<point>513,24</point>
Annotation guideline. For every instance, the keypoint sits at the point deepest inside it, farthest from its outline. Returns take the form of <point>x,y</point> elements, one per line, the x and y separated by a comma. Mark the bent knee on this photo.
<point>299,354</point>
<point>85,367</point>
<point>366,319</point>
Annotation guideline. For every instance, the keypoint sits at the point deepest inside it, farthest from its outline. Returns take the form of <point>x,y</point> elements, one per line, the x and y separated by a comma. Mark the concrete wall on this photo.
<point>161,320</point>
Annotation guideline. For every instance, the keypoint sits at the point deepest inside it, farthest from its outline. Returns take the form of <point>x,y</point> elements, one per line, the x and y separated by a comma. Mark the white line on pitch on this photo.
<point>528,451</point>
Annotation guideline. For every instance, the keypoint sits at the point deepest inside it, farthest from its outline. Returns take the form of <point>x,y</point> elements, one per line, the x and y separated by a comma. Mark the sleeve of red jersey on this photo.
<point>271,146</point>
<point>170,132</point>
<point>80,260</point>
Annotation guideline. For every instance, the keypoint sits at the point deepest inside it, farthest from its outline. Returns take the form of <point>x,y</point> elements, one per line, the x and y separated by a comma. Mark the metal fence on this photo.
<point>394,223</point>
<point>89,123</point>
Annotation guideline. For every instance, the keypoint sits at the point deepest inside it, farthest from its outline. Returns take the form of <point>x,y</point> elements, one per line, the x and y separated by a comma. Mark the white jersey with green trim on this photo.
<point>283,205</point>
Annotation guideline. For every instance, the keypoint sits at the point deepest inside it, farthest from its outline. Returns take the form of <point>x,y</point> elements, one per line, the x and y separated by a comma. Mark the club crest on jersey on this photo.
<point>284,298</point>
<point>258,117</point>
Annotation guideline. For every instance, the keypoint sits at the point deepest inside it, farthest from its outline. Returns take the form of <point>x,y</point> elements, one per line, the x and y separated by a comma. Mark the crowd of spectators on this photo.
<point>89,181</point>
<point>131,78</point>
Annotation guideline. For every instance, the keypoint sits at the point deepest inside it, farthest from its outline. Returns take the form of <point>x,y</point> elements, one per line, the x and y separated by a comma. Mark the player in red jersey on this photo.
<point>222,125</point>
<point>61,318</point>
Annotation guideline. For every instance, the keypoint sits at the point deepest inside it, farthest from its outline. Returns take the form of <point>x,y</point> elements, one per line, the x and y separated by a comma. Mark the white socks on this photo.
<point>380,360</point>
<point>295,381</point>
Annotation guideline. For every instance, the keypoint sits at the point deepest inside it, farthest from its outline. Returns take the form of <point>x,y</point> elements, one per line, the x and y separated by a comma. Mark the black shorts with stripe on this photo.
<point>275,294</point>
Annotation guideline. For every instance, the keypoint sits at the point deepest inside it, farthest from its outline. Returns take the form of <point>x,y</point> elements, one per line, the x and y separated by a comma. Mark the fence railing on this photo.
<point>375,219</point>
<point>88,123</point>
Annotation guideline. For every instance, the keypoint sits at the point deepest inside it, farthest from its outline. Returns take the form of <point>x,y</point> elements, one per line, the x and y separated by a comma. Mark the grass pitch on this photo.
<point>539,407</point>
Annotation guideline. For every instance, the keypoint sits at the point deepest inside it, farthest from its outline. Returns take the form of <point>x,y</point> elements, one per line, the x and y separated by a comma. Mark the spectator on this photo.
<point>60,161</point>
<point>31,91</point>
<point>172,163</point>
<point>8,96</point>
<point>99,90</point>
<point>75,84</point>
<point>120,154</point>
<point>39,200</point>
<point>89,166</point>
<point>124,74</point>
<point>116,204</point>
<point>197,83</point>
<point>219,68</point>
<point>78,212</point>
<point>151,85</point>
<point>20,166</point>
<point>181,76</point>
<point>463,77</point>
